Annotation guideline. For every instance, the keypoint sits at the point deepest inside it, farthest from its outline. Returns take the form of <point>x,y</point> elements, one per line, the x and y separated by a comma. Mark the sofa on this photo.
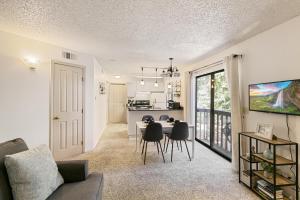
<point>78,184</point>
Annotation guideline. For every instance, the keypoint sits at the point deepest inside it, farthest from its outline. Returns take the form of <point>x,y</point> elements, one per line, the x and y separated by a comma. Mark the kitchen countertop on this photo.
<point>152,109</point>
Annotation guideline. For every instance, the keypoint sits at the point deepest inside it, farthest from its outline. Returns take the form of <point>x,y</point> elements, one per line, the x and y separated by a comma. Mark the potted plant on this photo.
<point>268,169</point>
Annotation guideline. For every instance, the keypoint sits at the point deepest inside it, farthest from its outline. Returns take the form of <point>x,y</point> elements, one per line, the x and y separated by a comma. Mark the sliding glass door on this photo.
<point>203,108</point>
<point>213,119</point>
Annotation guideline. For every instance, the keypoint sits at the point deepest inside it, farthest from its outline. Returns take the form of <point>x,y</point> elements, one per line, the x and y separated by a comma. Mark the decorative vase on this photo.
<point>268,154</point>
<point>267,174</point>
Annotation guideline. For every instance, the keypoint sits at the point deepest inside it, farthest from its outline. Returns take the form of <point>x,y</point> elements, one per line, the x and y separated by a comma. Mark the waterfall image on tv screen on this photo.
<point>278,97</point>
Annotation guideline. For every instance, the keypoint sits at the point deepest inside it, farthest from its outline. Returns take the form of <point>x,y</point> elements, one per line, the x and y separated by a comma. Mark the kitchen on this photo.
<point>153,96</point>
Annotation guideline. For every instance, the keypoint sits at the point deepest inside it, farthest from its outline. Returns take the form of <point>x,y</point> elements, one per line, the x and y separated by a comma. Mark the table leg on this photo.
<point>136,139</point>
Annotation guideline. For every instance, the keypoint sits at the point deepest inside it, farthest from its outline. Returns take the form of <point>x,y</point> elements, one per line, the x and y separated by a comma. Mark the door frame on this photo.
<point>212,116</point>
<point>53,62</point>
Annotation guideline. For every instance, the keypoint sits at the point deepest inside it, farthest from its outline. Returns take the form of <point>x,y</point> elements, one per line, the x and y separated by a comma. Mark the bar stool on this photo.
<point>164,118</point>
<point>147,118</point>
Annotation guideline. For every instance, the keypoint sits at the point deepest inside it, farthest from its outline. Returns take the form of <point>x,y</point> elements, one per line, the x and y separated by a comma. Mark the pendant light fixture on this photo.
<point>169,83</point>
<point>155,84</point>
<point>142,81</point>
<point>171,71</point>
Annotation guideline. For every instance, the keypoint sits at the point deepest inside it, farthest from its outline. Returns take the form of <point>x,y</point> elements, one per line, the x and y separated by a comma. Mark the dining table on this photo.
<point>166,127</point>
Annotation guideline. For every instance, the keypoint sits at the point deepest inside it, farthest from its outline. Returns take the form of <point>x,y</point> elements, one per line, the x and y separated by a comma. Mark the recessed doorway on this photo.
<point>117,103</point>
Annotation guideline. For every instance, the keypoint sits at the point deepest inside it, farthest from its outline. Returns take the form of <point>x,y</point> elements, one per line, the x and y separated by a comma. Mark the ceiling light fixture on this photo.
<point>117,76</point>
<point>142,81</point>
<point>172,71</point>
<point>169,86</point>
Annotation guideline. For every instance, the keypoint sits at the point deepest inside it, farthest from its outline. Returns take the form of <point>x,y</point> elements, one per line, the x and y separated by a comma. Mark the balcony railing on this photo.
<point>222,130</point>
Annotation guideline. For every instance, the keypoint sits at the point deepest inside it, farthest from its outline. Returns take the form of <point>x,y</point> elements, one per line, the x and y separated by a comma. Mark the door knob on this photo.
<point>55,118</point>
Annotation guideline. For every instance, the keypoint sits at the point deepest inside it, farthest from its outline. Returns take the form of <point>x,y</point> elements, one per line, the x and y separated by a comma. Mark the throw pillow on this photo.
<point>33,174</point>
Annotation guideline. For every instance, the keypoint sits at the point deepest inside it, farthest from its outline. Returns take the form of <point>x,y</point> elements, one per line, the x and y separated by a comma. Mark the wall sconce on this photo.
<point>31,62</point>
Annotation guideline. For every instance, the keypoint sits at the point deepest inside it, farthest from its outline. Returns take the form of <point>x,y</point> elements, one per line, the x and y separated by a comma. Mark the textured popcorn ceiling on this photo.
<point>126,34</point>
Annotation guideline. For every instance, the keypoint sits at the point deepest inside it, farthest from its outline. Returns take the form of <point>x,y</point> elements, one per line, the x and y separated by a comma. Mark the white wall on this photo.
<point>24,100</point>
<point>101,103</point>
<point>270,56</point>
<point>24,104</point>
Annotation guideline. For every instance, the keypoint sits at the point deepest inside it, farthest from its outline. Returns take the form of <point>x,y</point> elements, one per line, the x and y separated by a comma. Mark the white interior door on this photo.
<point>67,111</point>
<point>117,103</point>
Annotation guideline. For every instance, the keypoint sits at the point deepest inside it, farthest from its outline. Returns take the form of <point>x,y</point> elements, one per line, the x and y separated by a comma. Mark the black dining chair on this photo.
<point>164,118</point>
<point>147,118</point>
<point>180,132</point>
<point>153,133</point>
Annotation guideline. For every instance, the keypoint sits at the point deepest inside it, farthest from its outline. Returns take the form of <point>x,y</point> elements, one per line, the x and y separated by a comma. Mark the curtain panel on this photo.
<point>232,65</point>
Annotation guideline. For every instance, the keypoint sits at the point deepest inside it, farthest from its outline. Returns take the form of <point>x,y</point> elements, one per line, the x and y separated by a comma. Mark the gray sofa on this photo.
<point>78,183</point>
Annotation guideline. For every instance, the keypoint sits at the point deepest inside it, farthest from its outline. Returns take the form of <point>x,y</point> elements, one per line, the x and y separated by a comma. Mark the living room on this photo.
<point>114,47</point>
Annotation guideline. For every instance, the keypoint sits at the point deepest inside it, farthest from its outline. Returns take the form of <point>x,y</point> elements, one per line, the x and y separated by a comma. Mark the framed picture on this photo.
<point>102,87</point>
<point>264,130</point>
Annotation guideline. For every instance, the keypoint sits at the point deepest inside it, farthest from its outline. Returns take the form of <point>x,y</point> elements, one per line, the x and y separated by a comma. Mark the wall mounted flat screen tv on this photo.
<point>276,97</point>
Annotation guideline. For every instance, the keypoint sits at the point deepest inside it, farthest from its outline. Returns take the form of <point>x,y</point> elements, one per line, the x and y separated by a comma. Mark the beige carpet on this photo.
<point>208,176</point>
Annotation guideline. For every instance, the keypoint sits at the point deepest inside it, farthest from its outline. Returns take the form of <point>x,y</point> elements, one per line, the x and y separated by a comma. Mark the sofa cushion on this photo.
<point>7,148</point>
<point>89,189</point>
<point>32,174</point>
